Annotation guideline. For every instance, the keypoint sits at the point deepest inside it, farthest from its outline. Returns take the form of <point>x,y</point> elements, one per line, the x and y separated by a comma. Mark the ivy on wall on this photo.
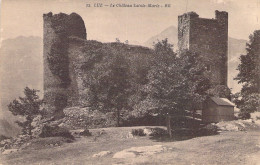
<point>59,63</point>
<point>58,59</point>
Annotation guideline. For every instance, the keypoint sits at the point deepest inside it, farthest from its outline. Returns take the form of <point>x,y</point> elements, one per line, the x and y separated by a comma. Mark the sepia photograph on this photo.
<point>129,82</point>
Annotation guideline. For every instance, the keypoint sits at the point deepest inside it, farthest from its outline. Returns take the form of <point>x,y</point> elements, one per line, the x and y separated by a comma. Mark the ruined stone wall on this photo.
<point>68,57</point>
<point>209,38</point>
<point>59,84</point>
<point>184,28</point>
<point>84,55</point>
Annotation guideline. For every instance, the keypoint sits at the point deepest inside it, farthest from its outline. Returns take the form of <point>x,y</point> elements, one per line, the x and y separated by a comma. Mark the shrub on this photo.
<point>209,129</point>
<point>158,132</point>
<point>138,132</point>
<point>85,133</point>
<point>81,118</point>
<point>244,115</point>
<point>54,131</point>
<point>2,137</point>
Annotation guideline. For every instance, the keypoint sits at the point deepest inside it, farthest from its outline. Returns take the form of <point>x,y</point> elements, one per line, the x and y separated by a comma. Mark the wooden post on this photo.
<point>118,117</point>
<point>193,122</point>
<point>169,125</point>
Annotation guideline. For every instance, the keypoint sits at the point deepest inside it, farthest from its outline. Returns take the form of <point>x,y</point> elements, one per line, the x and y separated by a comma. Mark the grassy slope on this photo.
<point>227,148</point>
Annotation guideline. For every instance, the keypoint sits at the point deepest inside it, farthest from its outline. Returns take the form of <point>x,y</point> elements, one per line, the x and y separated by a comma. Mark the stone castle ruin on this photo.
<point>67,57</point>
<point>68,54</point>
<point>209,38</point>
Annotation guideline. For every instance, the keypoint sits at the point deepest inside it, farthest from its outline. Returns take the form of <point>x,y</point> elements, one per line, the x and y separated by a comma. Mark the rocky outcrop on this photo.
<point>14,143</point>
<point>81,118</point>
<point>9,151</point>
<point>102,154</point>
<point>139,151</point>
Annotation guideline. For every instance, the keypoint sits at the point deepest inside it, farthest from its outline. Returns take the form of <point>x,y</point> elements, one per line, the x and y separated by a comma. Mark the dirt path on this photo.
<point>255,157</point>
<point>227,148</point>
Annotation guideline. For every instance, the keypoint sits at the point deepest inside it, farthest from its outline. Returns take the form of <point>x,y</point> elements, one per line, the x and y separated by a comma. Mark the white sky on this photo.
<point>24,17</point>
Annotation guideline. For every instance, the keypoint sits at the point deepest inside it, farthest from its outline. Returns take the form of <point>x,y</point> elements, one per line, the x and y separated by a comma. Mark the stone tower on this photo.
<point>59,86</point>
<point>209,38</point>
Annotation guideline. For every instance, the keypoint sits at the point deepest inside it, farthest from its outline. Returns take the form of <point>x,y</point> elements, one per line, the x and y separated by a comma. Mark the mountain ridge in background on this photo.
<point>171,33</point>
<point>21,65</point>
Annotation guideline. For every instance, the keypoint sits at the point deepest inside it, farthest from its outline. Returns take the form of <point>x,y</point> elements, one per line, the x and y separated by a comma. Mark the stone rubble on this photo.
<point>102,154</point>
<point>9,151</point>
<point>139,151</point>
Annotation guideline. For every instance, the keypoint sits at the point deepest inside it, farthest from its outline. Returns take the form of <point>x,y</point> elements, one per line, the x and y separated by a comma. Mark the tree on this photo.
<point>196,82</point>
<point>163,80</point>
<point>176,83</point>
<point>248,100</point>
<point>108,84</point>
<point>164,85</point>
<point>27,106</point>
<point>220,91</point>
<point>118,85</point>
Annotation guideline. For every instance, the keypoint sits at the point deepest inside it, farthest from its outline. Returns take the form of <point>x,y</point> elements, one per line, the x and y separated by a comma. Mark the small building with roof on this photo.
<point>217,109</point>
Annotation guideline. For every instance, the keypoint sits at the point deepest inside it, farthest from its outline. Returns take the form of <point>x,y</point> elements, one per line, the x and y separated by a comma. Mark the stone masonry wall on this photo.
<point>68,55</point>
<point>57,75</point>
<point>85,54</point>
<point>209,38</point>
<point>67,58</point>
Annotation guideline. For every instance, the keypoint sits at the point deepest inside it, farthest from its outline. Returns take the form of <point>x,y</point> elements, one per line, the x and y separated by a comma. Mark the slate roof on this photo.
<point>222,101</point>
